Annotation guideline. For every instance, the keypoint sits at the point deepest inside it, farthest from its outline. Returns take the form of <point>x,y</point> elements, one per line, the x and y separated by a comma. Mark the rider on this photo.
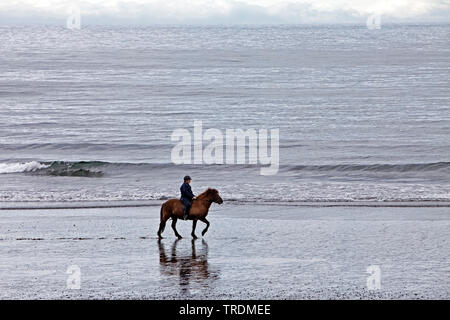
<point>186,196</point>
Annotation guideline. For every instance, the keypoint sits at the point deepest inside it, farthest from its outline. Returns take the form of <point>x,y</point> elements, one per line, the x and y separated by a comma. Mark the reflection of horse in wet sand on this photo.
<point>173,208</point>
<point>193,267</point>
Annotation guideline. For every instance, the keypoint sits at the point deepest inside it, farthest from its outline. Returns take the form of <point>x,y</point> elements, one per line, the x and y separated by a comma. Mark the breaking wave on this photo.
<point>57,168</point>
<point>99,168</point>
<point>17,167</point>
<point>33,181</point>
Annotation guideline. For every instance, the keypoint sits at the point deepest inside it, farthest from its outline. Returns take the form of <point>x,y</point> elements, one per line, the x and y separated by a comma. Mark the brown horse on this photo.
<point>173,208</point>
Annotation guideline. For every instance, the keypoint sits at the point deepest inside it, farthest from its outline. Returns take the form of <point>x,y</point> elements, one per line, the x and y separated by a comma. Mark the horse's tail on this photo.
<point>162,223</point>
<point>164,211</point>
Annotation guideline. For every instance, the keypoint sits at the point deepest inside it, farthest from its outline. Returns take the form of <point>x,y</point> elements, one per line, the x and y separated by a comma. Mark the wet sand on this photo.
<point>249,252</point>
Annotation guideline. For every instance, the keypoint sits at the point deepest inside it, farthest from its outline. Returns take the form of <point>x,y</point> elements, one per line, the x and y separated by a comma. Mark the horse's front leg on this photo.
<point>207,225</point>
<point>194,224</point>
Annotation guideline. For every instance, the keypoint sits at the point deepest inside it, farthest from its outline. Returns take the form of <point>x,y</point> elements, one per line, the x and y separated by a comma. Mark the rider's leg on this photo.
<point>186,211</point>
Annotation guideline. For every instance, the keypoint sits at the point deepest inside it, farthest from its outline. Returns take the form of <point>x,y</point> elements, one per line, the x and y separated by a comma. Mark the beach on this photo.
<point>251,251</point>
<point>357,208</point>
<point>324,126</point>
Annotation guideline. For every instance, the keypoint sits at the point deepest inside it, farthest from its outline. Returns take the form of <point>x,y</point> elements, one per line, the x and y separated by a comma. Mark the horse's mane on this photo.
<point>208,193</point>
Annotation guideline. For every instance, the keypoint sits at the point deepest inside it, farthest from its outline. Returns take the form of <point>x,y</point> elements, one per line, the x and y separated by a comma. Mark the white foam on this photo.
<point>15,167</point>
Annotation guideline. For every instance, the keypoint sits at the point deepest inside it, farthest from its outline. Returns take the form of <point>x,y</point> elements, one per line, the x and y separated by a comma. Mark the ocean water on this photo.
<point>87,115</point>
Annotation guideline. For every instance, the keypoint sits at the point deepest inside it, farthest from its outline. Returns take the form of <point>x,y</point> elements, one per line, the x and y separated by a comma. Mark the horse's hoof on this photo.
<point>194,236</point>
<point>203,233</point>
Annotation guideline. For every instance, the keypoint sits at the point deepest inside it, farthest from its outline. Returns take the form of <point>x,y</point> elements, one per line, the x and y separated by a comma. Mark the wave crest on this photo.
<point>17,167</point>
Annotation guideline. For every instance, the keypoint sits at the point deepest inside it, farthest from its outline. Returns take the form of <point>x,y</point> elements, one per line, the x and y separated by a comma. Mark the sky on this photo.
<point>148,12</point>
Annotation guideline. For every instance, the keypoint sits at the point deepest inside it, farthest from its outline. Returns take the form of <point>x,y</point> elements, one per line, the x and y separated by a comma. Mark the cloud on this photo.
<point>223,11</point>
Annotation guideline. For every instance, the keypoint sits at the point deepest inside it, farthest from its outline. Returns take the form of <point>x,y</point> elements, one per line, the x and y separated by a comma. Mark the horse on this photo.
<point>173,208</point>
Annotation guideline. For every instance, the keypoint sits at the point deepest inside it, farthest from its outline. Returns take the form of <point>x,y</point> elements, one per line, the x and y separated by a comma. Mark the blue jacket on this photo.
<point>186,193</point>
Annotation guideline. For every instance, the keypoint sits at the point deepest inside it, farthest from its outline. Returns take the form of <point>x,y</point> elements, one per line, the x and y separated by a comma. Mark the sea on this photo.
<point>87,116</point>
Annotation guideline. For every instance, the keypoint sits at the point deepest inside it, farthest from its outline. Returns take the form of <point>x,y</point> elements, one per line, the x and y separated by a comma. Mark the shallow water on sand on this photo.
<point>249,252</point>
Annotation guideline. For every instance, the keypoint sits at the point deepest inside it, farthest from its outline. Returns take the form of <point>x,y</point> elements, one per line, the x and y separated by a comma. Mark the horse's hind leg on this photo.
<point>207,226</point>
<point>174,223</point>
<point>194,224</point>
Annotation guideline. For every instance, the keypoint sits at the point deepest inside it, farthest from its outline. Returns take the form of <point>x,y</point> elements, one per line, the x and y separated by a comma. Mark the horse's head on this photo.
<point>214,196</point>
